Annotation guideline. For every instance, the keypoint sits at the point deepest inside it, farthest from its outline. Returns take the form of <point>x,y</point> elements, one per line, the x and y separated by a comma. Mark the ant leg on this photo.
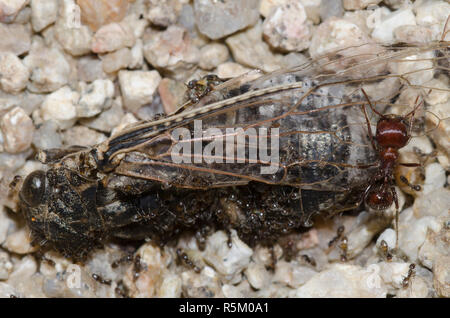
<point>414,187</point>
<point>394,193</point>
<point>369,127</point>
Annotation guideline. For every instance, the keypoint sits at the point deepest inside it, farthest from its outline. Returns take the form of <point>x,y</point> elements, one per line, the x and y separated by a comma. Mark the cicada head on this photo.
<point>59,206</point>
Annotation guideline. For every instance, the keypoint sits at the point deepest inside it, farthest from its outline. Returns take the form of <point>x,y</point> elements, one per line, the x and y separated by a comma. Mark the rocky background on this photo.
<point>74,72</point>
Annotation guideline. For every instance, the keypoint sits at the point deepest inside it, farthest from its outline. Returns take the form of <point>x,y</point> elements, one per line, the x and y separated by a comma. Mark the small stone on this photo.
<point>9,9</point>
<point>335,34</point>
<point>7,291</point>
<point>138,87</point>
<point>95,97</point>
<point>12,162</point>
<point>433,204</point>
<point>441,280</point>
<point>16,38</point>
<point>231,69</point>
<point>116,60</point>
<point>17,128</point>
<point>137,24</point>
<point>61,107</point>
<point>412,232</point>
<point>212,55</point>
<point>90,68</point>
<point>49,69</point>
<point>153,262</point>
<point>5,265</point>
<point>248,48</point>
<point>171,51</point>
<point>417,288</point>
<point>108,119</point>
<point>20,242</point>
<point>342,280</point>
<point>13,73</point>
<point>163,12</point>
<point>170,287</point>
<point>384,30</point>
<point>257,275</point>
<point>286,27</point>
<point>266,6</point>
<point>227,261</point>
<point>172,94</point>
<point>137,55</point>
<point>331,8</point>
<point>435,178</point>
<point>112,37</point>
<point>412,34</point>
<point>389,236</point>
<point>294,59</point>
<point>5,223</point>
<point>75,38</point>
<point>440,135</point>
<point>433,15</point>
<point>82,136</point>
<point>292,274</point>
<point>203,285</point>
<point>125,122</point>
<point>97,13</point>
<point>237,291</point>
<point>217,19</point>
<point>393,273</point>
<point>47,136</point>
<point>435,246</point>
<point>43,13</point>
<point>358,4</point>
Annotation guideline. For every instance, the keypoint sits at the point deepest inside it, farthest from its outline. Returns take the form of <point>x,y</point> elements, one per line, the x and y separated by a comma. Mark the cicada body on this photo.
<point>261,154</point>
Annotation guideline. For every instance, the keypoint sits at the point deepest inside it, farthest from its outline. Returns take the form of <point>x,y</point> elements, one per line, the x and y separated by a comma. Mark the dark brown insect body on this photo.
<point>131,187</point>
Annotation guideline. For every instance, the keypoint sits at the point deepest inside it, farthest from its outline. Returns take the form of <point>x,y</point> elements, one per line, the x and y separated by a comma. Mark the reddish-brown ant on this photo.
<point>392,133</point>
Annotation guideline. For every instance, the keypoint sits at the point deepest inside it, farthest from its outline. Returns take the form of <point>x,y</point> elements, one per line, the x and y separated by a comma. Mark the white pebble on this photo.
<point>412,233</point>
<point>9,9</point>
<point>5,223</point>
<point>114,61</point>
<point>19,242</point>
<point>342,280</point>
<point>17,128</point>
<point>286,27</point>
<point>388,236</point>
<point>170,287</point>
<point>257,275</point>
<point>5,265</point>
<point>138,87</point>
<point>227,261</point>
<point>61,107</point>
<point>212,55</point>
<point>43,13</point>
<point>231,69</point>
<point>13,73</point>
<point>49,69</point>
<point>384,30</point>
<point>95,97</point>
<point>112,37</point>
<point>393,273</point>
<point>358,4</point>
<point>435,178</point>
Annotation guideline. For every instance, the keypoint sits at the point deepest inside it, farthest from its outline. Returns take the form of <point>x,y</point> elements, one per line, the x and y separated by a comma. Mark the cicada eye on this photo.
<point>379,199</point>
<point>33,188</point>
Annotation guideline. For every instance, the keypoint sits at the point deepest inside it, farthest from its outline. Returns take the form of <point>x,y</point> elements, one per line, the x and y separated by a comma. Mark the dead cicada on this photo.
<point>261,154</point>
